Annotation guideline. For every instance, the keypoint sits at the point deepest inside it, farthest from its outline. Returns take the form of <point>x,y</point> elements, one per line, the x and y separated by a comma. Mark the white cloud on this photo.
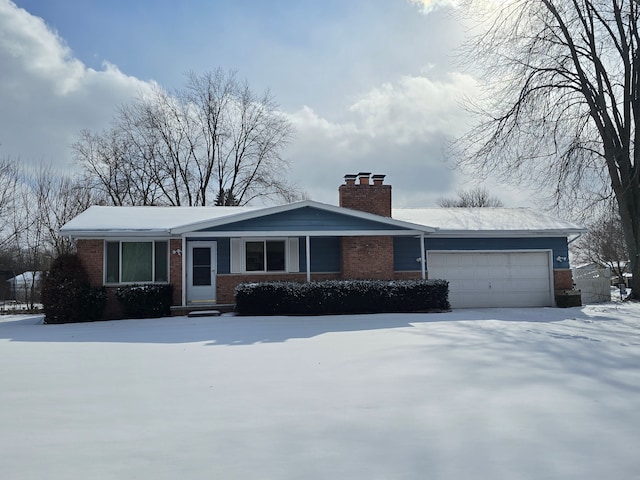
<point>47,95</point>
<point>427,6</point>
<point>416,107</point>
<point>400,129</point>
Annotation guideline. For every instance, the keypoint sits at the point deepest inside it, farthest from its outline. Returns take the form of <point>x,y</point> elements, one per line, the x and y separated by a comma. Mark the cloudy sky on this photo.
<point>370,85</point>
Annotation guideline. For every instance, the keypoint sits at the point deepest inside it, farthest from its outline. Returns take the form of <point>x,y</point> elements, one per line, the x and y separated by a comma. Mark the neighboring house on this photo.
<point>490,256</point>
<point>594,283</point>
<point>26,287</point>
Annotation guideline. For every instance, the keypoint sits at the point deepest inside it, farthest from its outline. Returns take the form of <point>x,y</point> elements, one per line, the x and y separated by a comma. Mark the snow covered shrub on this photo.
<point>67,296</point>
<point>341,297</point>
<point>146,301</point>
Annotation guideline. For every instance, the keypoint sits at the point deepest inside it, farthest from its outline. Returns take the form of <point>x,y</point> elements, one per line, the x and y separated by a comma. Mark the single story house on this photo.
<point>490,256</point>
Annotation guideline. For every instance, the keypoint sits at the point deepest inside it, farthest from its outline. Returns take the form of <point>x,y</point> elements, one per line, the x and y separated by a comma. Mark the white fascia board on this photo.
<point>504,233</point>
<point>293,206</point>
<point>304,233</point>
<point>98,234</point>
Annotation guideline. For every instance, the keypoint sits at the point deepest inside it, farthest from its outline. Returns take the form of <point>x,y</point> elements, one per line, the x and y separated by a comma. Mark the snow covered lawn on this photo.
<point>487,394</point>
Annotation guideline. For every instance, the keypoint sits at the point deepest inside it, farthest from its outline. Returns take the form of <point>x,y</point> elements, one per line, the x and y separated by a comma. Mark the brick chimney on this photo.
<point>367,257</point>
<point>364,196</point>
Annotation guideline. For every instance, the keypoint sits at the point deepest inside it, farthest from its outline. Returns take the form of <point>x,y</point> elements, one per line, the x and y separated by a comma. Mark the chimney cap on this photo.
<point>364,178</point>
<point>378,179</point>
<point>350,179</point>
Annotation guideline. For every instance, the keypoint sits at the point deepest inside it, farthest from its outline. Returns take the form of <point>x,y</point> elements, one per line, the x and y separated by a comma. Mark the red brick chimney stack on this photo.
<point>364,196</point>
<point>367,257</point>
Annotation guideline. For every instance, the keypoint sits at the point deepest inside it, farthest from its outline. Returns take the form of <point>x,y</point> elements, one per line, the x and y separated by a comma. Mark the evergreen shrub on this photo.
<point>341,297</point>
<point>146,301</point>
<point>67,296</point>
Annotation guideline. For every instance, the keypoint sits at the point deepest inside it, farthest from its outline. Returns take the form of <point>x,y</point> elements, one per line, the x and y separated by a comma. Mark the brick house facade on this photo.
<point>205,252</point>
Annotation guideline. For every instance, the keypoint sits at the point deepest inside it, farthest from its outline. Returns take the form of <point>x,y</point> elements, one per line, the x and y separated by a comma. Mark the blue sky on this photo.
<point>368,84</point>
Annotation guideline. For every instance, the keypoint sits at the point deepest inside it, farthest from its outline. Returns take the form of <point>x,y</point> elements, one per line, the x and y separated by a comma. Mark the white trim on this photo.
<point>293,254</point>
<point>120,241</point>
<point>308,256</point>
<point>184,271</point>
<point>236,254</point>
<point>304,233</point>
<point>248,215</point>
<point>213,246</point>
<point>111,234</point>
<point>502,233</point>
<point>287,260</point>
<point>423,259</point>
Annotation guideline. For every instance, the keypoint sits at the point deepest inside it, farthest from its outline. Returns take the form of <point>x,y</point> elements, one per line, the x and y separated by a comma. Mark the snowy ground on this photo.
<point>487,394</point>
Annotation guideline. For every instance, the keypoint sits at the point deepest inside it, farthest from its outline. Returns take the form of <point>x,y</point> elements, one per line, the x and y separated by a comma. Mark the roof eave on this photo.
<point>242,216</point>
<point>83,234</point>
<point>509,233</point>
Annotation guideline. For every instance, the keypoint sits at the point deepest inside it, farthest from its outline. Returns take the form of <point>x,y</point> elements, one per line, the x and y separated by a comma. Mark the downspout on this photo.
<point>574,239</point>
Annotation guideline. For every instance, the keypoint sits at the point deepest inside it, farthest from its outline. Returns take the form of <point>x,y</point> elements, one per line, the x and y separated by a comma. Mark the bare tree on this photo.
<point>9,181</point>
<point>213,142</point>
<point>476,197</point>
<point>57,198</point>
<point>604,243</point>
<point>561,106</point>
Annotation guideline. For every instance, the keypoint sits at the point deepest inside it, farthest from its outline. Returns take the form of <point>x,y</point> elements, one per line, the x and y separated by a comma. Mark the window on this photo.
<point>265,256</point>
<point>137,262</point>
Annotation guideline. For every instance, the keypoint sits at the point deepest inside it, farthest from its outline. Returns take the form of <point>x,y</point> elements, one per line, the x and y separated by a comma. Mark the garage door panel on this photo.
<point>494,279</point>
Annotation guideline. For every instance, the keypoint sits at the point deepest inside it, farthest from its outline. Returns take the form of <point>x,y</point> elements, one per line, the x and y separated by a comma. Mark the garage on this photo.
<point>494,278</point>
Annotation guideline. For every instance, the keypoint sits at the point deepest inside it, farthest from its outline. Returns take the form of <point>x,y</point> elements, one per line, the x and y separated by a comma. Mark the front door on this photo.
<point>201,273</point>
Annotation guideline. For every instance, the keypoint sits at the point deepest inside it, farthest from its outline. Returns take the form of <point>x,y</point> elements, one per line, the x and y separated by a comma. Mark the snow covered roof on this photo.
<point>144,220</point>
<point>473,221</point>
<point>153,221</point>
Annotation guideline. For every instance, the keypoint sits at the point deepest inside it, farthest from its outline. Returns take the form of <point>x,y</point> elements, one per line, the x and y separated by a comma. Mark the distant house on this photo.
<point>594,283</point>
<point>490,256</point>
<point>25,287</point>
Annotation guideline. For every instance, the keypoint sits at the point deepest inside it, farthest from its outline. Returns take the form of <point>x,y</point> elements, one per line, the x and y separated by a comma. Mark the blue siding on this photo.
<point>407,250</point>
<point>224,255</point>
<point>306,218</point>
<point>325,254</point>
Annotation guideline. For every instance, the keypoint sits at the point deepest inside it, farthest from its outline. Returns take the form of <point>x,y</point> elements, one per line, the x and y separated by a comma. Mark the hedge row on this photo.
<point>341,297</point>
<point>145,301</point>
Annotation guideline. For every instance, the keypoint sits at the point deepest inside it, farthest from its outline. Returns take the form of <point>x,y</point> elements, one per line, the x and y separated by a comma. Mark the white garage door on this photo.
<point>494,279</point>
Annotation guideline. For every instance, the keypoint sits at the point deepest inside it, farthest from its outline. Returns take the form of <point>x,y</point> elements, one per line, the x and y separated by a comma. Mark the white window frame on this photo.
<point>239,255</point>
<point>120,241</point>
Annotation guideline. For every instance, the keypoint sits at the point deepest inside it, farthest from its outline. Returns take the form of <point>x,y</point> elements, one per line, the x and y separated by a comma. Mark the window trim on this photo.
<point>120,241</point>
<point>239,251</point>
<point>264,241</point>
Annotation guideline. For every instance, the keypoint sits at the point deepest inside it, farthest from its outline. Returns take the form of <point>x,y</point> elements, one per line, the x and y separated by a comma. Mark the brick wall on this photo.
<point>366,198</point>
<point>367,258</point>
<point>175,269</point>
<point>407,275</point>
<point>225,284</point>
<point>563,279</point>
<point>91,253</point>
